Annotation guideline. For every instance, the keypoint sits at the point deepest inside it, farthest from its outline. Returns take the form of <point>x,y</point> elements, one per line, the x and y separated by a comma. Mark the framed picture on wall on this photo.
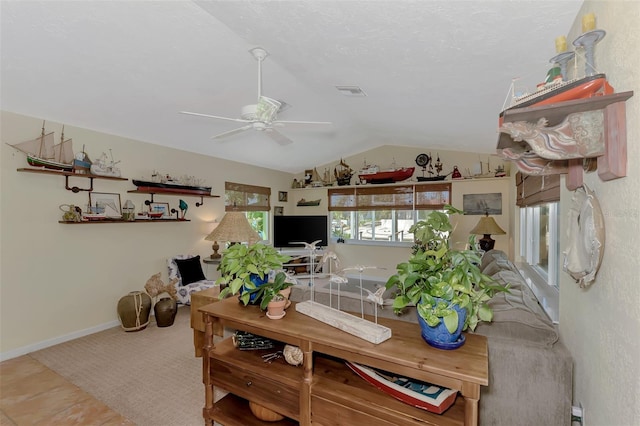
<point>282,196</point>
<point>107,203</point>
<point>479,204</point>
<point>278,211</point>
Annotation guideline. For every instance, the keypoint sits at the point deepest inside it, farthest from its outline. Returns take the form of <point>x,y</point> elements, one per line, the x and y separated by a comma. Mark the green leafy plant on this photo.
<point>436,277</point>
<point>270,291</point>
<point>239,262</point>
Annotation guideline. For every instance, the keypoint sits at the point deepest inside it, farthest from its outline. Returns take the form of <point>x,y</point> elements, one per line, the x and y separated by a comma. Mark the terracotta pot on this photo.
<point>165,311</point>
<point>286,292</point>
<point>276,309</point>
<point>133,311</point>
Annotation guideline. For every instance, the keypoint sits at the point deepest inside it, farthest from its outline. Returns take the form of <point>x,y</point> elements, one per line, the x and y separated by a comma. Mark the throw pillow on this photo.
<point>190,270</point>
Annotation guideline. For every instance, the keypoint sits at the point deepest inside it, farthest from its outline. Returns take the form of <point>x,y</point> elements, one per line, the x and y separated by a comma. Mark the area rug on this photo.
<point>151,376</point>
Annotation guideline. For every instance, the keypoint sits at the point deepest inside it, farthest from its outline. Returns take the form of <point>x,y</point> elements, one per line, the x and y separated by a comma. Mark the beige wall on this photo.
<point>601,325</point>
<point>59,279</point>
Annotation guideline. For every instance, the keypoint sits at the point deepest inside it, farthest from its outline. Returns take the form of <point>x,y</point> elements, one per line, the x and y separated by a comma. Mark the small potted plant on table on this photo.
<point>446,286</point>
<point>273,296</point>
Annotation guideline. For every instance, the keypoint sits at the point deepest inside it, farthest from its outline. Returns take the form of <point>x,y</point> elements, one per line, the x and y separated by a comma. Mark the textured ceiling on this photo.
<point>436,73</point>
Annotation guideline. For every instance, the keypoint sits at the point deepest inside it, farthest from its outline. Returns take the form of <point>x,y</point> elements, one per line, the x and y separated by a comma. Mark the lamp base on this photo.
<point>486,242</point>
<point>215,254</point>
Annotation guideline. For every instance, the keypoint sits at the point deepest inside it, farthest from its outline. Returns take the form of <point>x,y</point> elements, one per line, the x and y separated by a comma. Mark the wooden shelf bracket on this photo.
<point>565,138</point>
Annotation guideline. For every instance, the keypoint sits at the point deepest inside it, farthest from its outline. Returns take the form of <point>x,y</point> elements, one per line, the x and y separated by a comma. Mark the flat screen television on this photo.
<point>290,229</point>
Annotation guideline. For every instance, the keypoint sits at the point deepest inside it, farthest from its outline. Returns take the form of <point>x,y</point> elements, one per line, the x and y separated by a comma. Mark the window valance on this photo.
<point>533,190</point>
<point>397,197</point>
<point>241,197</point>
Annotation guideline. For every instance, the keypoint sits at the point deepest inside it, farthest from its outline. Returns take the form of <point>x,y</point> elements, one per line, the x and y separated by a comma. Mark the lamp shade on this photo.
<point>487,226</point>
<point>234,227</point>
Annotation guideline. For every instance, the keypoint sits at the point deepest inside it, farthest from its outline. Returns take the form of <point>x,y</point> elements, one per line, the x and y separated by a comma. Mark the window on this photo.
<point>538,198</point>
<point>383,214</point>
<point>539,242</point>
<point>254,201</point>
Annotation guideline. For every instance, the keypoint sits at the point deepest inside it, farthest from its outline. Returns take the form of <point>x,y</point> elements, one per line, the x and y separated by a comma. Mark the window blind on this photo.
<point>396,197</point>
<point>533,190</point>
<point>241,197</point>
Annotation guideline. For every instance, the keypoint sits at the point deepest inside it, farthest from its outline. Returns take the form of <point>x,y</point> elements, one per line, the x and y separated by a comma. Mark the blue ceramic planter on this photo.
<point>439,336</point>
<point>257,281</point>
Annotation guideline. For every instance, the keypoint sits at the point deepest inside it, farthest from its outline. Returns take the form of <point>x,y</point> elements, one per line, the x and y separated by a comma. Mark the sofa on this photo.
<point>530,370</point>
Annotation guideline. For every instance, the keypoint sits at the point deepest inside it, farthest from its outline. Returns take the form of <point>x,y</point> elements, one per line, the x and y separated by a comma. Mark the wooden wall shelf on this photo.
<point>609,137</point>
<point>67,175</point>
<point>174,194</point>
<point>97,222</point>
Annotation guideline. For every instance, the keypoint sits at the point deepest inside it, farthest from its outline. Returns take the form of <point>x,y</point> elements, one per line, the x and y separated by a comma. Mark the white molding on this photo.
<point>14,353</point>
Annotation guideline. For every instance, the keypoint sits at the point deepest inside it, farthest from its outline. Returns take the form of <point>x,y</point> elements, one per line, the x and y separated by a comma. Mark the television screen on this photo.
<point>288,230</point>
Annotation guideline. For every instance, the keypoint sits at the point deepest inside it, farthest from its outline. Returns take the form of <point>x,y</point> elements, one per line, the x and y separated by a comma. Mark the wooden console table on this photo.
<point>323,391</point>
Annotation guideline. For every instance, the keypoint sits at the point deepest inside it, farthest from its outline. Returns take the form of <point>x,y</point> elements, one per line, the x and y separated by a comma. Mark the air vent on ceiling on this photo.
<point>351,91</point>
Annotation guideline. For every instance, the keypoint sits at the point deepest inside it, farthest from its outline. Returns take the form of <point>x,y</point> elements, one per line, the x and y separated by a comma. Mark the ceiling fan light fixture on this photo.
<point>352,91</point>
<point>259,53</point>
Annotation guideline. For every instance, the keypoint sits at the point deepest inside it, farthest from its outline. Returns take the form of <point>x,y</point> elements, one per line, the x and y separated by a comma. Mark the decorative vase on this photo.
<point>133,311</point>
<point>439,336</point>
<point>275,309</point>
<point>257,281</point>
<point>165,311</point>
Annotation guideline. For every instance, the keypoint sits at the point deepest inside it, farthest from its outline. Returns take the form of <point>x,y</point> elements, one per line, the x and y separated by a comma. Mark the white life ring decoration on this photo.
<point>585,250</point>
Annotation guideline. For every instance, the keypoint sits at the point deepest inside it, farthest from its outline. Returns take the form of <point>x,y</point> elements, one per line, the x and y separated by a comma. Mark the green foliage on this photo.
<point>271,290</point>
<point>240,261</point>
<point>434,270</point>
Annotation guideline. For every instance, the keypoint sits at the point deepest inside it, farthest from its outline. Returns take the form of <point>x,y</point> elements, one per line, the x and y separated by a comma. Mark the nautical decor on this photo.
<point>43,152</point>
<point>585,250</point>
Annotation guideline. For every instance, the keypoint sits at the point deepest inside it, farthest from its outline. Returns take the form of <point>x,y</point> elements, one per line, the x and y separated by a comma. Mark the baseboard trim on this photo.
<point>56,340</point>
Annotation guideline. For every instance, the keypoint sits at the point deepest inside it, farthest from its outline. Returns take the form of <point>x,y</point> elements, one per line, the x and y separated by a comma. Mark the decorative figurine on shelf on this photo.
<point>456,173</point>
<point>183,208</point>
<point>129,211</point>
<point>71,213</point>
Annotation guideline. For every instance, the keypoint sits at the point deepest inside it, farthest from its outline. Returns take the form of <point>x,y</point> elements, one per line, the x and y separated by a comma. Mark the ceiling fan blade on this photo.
<point>239,120</point>
<point>267,109</point>
<point>278,137</point>
<point>232,132</point>
<point>287,122</point>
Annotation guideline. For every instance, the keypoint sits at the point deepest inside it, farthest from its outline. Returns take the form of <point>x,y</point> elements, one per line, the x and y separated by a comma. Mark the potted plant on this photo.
<point>244,268</point>
<point>446,286</point>
<point>273,295</point>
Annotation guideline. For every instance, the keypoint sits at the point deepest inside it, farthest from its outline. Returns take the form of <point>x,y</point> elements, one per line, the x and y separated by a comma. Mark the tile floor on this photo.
<point>31,394</point>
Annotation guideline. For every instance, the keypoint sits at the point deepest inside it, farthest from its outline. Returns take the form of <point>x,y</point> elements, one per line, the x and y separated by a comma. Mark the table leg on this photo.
<point>471,394</point>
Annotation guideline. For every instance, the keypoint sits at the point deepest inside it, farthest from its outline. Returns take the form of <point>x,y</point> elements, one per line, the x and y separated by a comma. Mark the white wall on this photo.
<point>58,279</point>
<point>600,325</point>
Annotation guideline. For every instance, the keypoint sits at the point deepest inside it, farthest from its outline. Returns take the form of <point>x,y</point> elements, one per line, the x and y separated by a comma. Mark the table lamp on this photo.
<point>234,228</point>
<point>487,226</point>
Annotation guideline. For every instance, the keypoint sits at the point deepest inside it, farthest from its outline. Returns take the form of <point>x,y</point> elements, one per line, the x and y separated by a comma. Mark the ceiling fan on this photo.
<point>261,116</point>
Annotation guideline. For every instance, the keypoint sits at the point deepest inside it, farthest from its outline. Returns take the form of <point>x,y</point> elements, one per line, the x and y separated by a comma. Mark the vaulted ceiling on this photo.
<point>435,73</point>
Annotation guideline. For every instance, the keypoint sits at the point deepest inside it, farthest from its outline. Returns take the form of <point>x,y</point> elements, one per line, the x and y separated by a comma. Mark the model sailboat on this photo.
<point>44,152</point>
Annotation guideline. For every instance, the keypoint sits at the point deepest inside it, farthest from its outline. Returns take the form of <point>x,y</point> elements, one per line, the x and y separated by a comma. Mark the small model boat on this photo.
<point>343,173</point>
<point>105,167</point>
<point>424,161</point>
<point>423,395</point>
<point>43,152</point>
<point>82,162</point>
<point>169,186</point>
<point>373,174</point>
<point>306,203</point>
<point>554,92</point>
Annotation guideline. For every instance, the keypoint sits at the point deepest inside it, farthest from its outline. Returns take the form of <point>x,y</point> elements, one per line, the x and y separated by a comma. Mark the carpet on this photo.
<point>151,376</point>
